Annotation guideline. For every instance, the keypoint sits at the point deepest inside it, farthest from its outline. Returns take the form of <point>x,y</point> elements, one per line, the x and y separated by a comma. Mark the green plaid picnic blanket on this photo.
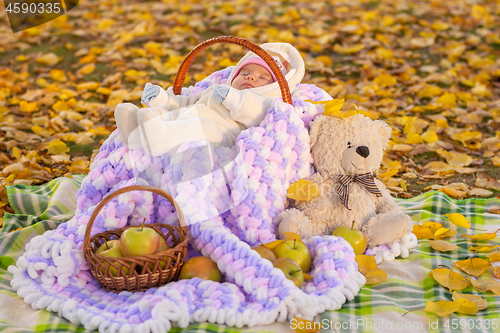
<point>55,201</point>
<point>377,308</point>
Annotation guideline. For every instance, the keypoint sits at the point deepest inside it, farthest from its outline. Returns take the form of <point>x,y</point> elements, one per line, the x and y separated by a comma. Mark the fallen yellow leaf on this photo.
<point>480,302</point>
<point>452,192</point>
<point>467,136</point>
<point>87,69</point>
<point>495,288</point>
<point>49,59</point>
<point>389,173</point>
<point>57,147</point>
<point>430,136</point>
<point>273,244</point>
<point>485,236</point>
<point>333,106</point>
<point>442,246</point>
<point>444,233</point>
<point>496,272</point>
<point>366,263</point>
<point>483,248</point>
<point>449,279</point>
<point>433,226</point>
<point>442,308</point>
<point>482,285</point>
<point>385,80</point>
<point>466,306</point>
<point>29,107</point>
<point>448,100</point>
<point>440,232</point>
<point>57,75</point>
<point>375,276</point>
<point>302,190</point>
<point>458,219</point>
<point>473,266</point>
<point>460,160</point>
<point>439,167</point>
<point>487,285</point>
<point>292,236</point>
<point>421,232</point>
<point>494,256</point>
<point>88,86</point>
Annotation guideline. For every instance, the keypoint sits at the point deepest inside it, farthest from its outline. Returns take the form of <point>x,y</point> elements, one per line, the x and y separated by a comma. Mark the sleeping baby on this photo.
<point>217,115</point>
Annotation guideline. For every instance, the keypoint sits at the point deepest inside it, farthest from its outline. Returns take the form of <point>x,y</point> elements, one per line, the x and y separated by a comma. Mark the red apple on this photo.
<point>356,238</point>
<point>264,252</point>
<point>112,249</point>
<point>200,267</point>
<point>139,241</point>
<point>297,251</point>
<point>291,269</point>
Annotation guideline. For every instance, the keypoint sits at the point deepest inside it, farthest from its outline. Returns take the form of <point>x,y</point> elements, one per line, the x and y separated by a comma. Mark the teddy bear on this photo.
<point>346,154</point>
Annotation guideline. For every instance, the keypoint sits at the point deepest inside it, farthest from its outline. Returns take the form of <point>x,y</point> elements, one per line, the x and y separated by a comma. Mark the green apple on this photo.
<point>356,238</point>
<point>291,269</point>
<point>162,247</point>
<point>264,252</point>
<point>200,267</point>
<point>139,241</point>
<point>112,249</point>
<point>108,245</point>
<point>297,251</point>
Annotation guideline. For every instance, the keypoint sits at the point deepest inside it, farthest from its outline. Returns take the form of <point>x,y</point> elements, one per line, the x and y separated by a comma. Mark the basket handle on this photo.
<point>116,193</point>
<point>181,75</point>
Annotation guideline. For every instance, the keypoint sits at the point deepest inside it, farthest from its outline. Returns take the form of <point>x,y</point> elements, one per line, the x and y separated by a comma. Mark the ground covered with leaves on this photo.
<point>431,69</point>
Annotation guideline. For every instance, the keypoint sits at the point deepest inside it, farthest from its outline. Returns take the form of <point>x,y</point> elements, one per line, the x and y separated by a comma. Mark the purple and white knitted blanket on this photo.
<point>230,197</point>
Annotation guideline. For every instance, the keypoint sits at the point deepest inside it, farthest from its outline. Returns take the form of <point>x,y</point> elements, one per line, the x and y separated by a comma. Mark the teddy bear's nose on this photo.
<point>363,151</point>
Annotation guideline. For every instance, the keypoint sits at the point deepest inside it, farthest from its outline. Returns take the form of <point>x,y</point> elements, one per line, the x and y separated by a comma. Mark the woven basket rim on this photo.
<point>188,60</point>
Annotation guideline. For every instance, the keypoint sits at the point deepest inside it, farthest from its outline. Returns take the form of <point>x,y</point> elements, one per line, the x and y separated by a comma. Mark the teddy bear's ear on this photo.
<point>316,126</point>
<point>384,131</point>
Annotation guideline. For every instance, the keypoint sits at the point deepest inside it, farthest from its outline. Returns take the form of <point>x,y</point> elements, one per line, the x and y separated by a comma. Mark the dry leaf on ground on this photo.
<point>449,279</point>
<point>473,266</point>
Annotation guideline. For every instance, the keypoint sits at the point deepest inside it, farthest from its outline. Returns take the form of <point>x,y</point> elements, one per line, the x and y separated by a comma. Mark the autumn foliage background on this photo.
<point>430,69</point>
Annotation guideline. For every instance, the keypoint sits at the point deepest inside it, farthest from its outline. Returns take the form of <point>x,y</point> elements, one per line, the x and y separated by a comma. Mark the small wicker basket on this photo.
<point>137,273</point>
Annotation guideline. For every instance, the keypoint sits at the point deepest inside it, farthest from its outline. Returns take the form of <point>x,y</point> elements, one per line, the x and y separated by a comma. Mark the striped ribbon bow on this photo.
<point>366,179</point>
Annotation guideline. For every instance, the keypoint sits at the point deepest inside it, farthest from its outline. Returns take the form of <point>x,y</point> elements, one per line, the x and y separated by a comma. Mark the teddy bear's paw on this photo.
<point>396,249</point>
<point>399,248</point>
<point>408,242</point>
<point>384,255</point>
<point>385,228</point>
<point>293,220</point>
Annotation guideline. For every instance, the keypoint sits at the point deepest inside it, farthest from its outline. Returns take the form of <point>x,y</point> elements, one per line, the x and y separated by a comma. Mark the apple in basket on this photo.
<point>139,241</point>
<point>112,249</point>
<point>291,269</point>
<point>200,267</point>
<point>162,247</point>
<point>264,252</point>
<point>356,238</point>
<point>297,251</point>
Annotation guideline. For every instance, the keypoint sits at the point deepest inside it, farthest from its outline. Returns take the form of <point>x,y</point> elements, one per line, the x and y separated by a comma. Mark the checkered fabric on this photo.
<point>377,308</point>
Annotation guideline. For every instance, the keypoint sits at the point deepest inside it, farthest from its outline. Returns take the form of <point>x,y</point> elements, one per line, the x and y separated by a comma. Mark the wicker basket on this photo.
<point>181,75</point>
<point>137,273</point>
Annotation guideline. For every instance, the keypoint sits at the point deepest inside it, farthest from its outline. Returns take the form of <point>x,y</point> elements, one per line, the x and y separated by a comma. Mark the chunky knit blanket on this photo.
<point>229,204</point>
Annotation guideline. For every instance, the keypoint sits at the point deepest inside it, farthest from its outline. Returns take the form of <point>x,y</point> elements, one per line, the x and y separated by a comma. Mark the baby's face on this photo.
<point>252,76</point>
